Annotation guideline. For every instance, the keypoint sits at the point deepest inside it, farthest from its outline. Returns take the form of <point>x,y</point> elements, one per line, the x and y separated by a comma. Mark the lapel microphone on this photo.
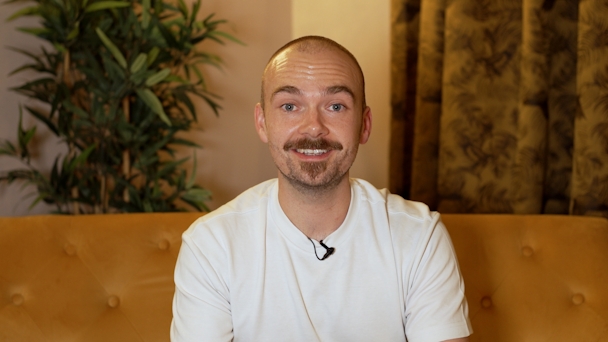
<point>328,250</point>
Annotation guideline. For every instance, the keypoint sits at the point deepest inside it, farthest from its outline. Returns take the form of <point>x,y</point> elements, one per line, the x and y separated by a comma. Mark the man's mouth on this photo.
<point>312,147</point>
<point>310,152</point>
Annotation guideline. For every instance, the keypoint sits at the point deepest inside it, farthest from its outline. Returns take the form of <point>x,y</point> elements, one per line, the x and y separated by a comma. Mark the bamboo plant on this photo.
<point>116,89</point>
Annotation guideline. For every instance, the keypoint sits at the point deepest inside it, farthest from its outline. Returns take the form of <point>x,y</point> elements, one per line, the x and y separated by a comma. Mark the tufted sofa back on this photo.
<point>88,278</point>
<point>533,278</point>
<point>110,277</point>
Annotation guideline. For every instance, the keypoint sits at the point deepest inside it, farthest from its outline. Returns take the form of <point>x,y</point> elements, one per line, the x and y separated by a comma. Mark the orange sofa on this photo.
<point>110,277</point>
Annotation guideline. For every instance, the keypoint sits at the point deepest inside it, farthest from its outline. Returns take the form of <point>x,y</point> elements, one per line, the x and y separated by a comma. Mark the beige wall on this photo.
<point>233,159</point>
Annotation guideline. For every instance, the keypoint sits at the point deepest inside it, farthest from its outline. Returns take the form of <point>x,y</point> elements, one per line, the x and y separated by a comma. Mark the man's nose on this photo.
<point>313,123</point>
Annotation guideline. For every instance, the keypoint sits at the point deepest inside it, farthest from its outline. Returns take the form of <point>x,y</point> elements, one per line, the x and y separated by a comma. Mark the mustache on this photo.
<point>312,144</point>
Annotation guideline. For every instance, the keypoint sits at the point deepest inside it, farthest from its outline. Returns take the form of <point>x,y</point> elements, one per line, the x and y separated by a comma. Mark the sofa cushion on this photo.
<point>90,277</point>
<point>533,277</point>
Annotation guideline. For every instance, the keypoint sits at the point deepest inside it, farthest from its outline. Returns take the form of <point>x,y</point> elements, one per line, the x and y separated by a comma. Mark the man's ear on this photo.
<point>260,122</point>
<point>366,126</point>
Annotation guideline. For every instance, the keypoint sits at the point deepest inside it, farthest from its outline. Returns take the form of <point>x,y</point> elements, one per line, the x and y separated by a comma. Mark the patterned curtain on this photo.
<point>501,106</point>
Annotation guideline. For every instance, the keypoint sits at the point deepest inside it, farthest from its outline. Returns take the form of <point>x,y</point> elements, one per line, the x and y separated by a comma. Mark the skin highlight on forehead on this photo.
<point>312,45</point>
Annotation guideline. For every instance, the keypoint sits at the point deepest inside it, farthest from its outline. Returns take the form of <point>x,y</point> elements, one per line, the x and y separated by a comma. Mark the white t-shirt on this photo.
<point>246,273</point>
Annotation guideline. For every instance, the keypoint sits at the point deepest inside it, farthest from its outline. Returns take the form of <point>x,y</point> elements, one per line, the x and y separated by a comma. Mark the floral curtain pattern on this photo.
<point>501,106</point>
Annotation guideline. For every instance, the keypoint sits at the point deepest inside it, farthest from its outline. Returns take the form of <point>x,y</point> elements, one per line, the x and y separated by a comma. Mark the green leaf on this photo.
<point>179,21</point>
<point>199,75</point>
<point>60,47</point>
<point>159,76</point>
<point>101,5</point>
<point>183,97</point>
<point>196,197</point>
<point>36,67</point>
<point>168,36</point>
<point>23,136</point>
<point>206,58</point>
<point>195,8</point>
<point>74,33</point>
<point>147,206</point>
<point>185,142</point>
<point>192,179</point>
<point>182,8</point>
<point>148,97</point>
<point>115,73</point>
<point>208,18</point>
<point>36,201</point>
<point>74,109</point>
<point>175,78</point>
<point>138,63</point>
<point>8,149</point>
<point>36,31</point>
<point>145,14</point>
<point>44,118</point>
<point>81,158</point>
<point>25,52</point>
<point>170,167</point>
<point>226,36</point>
<point>154,148</point>
<point>112,48</point>
<point>32,10</point>
<point>214,106</point>
<point>152,55</point>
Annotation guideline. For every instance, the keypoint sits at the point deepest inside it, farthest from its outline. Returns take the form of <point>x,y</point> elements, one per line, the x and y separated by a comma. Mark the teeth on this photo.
<point>311,152</point>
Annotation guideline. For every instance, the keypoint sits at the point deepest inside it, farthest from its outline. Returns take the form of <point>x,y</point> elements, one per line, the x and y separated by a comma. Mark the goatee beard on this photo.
<point>313,169</point>
<point>313,189</point>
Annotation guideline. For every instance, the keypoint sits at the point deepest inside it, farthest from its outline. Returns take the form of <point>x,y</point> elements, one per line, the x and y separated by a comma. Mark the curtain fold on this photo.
<point>501,106</point>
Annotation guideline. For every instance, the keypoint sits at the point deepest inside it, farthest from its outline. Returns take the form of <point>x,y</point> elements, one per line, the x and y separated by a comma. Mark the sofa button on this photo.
<point>486,302</point>
<point>578,299</point>
<point>69,249</point>
<point>113,302</point>
<point>163,244</point>
<point>17,299</point>
<point>527,251</point>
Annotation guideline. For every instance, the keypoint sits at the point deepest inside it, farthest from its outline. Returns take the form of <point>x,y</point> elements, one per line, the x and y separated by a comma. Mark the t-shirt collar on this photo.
<point>296,237</point>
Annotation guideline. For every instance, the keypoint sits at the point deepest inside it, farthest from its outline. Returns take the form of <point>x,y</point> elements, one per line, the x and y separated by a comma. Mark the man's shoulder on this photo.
<point>411,224</point>
<point>395,205</point>
<point>249,200</point>
<point>232,214</point>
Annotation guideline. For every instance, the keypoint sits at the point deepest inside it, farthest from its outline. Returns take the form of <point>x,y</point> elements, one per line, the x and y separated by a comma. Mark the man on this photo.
<point>315,255</point>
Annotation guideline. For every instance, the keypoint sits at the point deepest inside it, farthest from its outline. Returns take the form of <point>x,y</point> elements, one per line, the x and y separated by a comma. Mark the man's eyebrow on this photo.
<point>285,89</point>
<point>339,89</point>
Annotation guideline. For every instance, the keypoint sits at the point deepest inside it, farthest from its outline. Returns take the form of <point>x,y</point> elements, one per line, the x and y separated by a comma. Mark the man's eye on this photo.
<point>336,107</point>
<point>288,107</point>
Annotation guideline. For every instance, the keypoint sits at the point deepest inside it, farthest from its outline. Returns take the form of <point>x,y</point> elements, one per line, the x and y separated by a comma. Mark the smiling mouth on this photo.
<point>310,152</point>
<point>312,147</point>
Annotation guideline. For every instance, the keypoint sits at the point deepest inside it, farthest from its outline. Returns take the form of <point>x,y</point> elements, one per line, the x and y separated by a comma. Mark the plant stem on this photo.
<point>126,160</point>
<point>68,81</point>
<point>102,193</point>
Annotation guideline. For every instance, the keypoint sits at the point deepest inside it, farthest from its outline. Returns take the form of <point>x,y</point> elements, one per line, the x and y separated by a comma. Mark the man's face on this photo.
<point>313,118</point>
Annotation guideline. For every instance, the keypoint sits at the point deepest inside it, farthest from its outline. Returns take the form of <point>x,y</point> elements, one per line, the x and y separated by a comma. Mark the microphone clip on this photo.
<point>328,250</point>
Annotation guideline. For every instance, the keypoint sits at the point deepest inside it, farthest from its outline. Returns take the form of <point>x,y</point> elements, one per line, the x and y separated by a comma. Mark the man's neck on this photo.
<point>316,213</point>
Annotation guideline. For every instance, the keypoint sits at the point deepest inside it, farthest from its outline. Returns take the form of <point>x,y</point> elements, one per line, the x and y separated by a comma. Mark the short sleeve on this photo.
<point>435,304</point>
<point>201,306</point>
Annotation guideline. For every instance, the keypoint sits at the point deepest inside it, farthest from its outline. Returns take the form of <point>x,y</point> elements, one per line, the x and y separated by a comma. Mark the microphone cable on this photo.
<point>328,250</point>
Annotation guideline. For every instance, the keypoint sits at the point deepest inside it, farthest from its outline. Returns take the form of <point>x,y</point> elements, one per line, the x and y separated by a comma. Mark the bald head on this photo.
<point>313,45</point>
